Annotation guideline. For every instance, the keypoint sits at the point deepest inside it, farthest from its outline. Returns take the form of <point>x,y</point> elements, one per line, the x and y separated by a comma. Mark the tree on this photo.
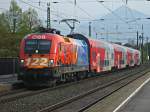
<point>13,16</point>
<point>14,25</point>
<point>4,24</point>
<point>29,21</point>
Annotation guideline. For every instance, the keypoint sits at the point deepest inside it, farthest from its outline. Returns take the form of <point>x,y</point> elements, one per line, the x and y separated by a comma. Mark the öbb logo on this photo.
<point>38,37</point>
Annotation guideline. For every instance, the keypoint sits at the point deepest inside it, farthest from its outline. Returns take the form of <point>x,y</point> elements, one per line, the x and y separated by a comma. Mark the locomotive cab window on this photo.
<point>30,46</point>
<point>37,46</point>
<point>44,46</point>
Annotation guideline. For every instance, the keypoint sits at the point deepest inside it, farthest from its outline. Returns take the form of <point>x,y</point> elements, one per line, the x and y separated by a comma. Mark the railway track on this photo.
<point>21,93</point>
<point>24,96</point>
<point>85,100</point>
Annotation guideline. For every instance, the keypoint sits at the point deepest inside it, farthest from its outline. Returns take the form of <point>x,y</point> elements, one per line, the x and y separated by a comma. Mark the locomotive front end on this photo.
<point>36,59</point>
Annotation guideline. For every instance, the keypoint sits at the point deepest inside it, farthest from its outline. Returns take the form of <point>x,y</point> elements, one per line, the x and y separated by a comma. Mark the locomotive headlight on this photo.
<point>51,62</point>
<point>22,61</point>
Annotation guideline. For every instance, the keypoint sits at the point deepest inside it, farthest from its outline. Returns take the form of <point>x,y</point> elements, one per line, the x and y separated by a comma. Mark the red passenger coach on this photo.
<point>119,56</point>
<point>136,57</point>
<point>130,57</point>
<point>101,53</point>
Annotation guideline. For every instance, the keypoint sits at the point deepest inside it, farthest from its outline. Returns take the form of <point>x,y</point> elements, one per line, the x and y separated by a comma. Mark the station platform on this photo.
<point>140,102</point>
<point>6,82</point>
<point>123,99</point>
<point>8,79</point>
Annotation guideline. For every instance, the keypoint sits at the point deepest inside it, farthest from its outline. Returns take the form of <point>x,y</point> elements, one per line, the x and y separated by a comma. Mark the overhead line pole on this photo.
<point>126,1</point>
<point>90,29</point>
<point>147,48</point>
<point>137,40</point>
<point>142,42</point>
<point>14,24</point>
<point>48,16</point>
<point>14,19</point>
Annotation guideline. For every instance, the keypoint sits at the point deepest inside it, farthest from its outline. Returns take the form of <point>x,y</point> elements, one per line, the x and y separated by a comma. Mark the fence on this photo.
<point>8,66</point>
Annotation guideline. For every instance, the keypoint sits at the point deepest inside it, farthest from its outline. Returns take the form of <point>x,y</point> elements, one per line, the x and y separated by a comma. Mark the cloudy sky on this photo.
<point>84,11</point>
<point>89,9</point>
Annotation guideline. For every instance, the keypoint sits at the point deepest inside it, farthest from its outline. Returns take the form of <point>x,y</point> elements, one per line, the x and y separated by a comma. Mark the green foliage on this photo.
<point>146,51</point>
<point>25,22</point>
<point>9,45</point>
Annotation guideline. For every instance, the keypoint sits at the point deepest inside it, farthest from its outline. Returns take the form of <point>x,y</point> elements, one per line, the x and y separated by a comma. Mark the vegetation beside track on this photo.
<point>14,25</point>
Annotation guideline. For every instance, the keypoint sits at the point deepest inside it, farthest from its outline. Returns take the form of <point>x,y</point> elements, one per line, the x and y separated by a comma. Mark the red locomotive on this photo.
<point>48,58</point>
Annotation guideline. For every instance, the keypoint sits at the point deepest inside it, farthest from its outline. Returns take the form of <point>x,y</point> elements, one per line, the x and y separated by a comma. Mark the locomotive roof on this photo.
<point>50,35</point>
<point>41,36</point>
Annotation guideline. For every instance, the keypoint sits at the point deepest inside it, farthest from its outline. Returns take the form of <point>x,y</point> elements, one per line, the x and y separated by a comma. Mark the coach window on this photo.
<point>101,63</point>
<point>112,56</point>
<point>105,63</point>
<point>107,54</point>
<point>59,46</point>
<point>94,55</point>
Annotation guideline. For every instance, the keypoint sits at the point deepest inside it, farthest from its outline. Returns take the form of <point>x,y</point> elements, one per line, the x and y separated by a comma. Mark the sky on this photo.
<point>84,10</point>
<point>91,7</point>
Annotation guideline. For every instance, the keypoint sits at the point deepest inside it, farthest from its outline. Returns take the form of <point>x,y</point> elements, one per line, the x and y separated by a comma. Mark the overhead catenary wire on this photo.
<point>131,12</point>
<point>113,12</point>
<point>62,13</point>
<point>89,15</point>
<point>43,10</point>
<point>41,4</point>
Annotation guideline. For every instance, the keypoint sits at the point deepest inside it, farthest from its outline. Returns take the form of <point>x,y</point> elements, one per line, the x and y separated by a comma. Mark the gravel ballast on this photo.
<point>39,101</point>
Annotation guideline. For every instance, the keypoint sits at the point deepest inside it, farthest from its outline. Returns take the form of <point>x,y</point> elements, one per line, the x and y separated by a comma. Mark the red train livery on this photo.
<point>47,58</point>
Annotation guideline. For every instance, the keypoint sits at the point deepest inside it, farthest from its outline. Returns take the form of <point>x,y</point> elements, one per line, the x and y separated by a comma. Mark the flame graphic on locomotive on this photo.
<point>49,57</point>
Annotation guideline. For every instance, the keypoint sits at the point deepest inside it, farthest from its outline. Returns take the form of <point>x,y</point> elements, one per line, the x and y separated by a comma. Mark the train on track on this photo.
<point>47,58</point>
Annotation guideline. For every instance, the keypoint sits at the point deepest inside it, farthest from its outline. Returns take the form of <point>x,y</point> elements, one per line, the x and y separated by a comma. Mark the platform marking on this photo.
<point>133,94</point>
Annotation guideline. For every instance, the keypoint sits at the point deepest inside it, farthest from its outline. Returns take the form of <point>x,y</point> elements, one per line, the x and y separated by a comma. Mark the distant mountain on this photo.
<point>120,25</point>
<point>125,12</point>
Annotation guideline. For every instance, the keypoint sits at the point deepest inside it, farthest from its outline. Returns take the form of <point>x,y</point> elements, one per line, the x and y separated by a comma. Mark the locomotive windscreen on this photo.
<point>37,46</point>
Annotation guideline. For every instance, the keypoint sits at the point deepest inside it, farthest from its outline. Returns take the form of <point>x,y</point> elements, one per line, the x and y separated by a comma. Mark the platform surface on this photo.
<point>140,102</point>
<point>8,79</point>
